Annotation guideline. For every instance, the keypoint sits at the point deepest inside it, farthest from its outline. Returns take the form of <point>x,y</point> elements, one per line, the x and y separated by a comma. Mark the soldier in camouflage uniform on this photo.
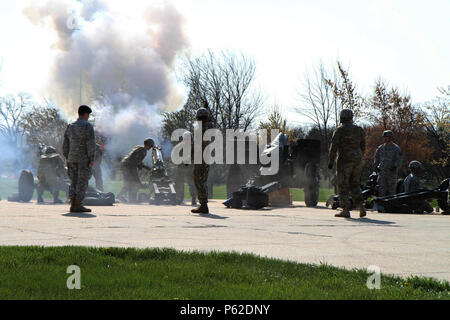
<point>201,171</point>
<point>348,143</point>
<point>388,159</point>
<point>130,165</point>
<point>96,169</point>
<point>184,174</point>
<point>51,174</point>
<point>412,184</point>
<point>79,151</point>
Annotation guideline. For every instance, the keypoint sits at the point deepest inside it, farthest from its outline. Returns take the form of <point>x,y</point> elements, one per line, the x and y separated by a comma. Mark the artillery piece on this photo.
<point>160,184</point>
<point>298,168</point>
<point>26,187</point>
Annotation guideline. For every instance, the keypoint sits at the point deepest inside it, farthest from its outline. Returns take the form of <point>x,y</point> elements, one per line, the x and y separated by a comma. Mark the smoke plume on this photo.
<point>123,62</point>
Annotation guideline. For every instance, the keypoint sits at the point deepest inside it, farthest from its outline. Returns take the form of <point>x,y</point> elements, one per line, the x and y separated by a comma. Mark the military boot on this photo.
<point>78,207</point>
<point>40,200</point>
<point>203,209</point>
<point>343,214</point>
<point>194,202</point>
<point>72,205</point>
<point>362,211</point>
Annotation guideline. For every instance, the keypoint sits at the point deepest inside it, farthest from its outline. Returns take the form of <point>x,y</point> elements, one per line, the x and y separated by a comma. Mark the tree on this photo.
<point>44,125</point>
<point>12,108</point>
<point>345,92</point>
<point>223,83</point>
<point>14,156</point>
<point>438,129</point>
<point>276,121</point>
<point>319,102</point>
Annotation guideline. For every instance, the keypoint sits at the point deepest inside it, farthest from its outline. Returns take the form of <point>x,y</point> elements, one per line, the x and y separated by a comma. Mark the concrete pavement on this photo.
<point>398,244</point>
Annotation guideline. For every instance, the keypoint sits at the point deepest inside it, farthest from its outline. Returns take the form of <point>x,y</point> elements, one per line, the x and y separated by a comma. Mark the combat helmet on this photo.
<point>202,114</point>
<point>414,165</point>
<point>346,115</point>
<point>50,152</point>
<point>149,142</point>
<point>388,133</point>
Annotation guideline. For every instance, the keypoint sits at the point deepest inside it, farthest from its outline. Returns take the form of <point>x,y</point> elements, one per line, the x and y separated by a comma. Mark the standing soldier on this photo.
<point>184,174</point>
<point>51,174</point>
<point>96,169</point>
<point>79,151</point>
<point>388,158</point>
<point>130,165</point>
<point>349,143</point>
<point>201,170</point>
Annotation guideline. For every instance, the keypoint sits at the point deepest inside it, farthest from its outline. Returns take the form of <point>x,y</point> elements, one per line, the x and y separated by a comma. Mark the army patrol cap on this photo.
<point>149,142</point>
<point>202,114</point>
<point>388,133</point>
<point>84,109</point>
<point>346,115</point>
<point>415,164</point>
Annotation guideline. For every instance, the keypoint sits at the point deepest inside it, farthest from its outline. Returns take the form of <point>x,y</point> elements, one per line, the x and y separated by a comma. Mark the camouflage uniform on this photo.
<point>412,184</point>
<point>387,160</point>
<point>130,165</point>
<point>201,171</point>
<point>96,169</point>
<point>51,174</point>
<point>349,143</point>
<point>79,151</point>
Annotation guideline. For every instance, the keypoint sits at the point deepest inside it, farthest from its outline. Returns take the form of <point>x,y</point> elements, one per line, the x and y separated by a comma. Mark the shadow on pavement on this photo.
<point>368,220</point>
<point>79,215</point>
<point>211,216</point>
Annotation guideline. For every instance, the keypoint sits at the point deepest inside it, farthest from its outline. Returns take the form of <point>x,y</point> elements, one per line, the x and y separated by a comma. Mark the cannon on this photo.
<point>410,202</point>
<point>370,189</point>
<point>161,186</point>
<point>298,168</point>
<point>26,187</point>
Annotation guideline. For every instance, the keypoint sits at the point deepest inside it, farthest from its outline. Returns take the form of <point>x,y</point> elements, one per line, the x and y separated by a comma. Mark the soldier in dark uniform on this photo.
<point>412,184</point>
<point>96,169</point>
<point>348,143</point>
<point>200,171</point>
<point>52,175</point>
<point>79,151</point>
<point>130,165</point>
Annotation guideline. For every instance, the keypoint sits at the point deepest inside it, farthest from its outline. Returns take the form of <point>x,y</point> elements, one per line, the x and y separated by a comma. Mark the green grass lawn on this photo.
<point>112,273</point>
<point>9,186</point>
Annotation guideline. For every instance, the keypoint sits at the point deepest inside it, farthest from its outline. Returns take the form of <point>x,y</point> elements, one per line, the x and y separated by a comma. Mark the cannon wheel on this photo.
<point>312,185</point>
<point>26,186</point>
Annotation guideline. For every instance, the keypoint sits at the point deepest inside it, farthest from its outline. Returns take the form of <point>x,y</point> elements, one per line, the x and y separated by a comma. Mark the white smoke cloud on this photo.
<point>124,62</point>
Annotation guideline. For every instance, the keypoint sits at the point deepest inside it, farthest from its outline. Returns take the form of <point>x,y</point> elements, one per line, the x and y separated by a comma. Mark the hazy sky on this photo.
<point>405,42</point>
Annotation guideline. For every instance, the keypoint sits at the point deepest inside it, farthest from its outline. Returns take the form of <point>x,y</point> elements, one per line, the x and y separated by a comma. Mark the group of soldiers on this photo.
<point>347,147</point>
<point>83,158</point>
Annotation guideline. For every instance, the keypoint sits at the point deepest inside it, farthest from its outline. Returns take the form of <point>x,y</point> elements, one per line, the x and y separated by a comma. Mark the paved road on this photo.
<point>398,244</point>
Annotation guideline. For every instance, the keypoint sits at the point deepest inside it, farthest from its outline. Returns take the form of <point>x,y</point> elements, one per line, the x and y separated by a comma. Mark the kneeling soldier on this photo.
<point>51,174</point>
<point>130,165</point>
